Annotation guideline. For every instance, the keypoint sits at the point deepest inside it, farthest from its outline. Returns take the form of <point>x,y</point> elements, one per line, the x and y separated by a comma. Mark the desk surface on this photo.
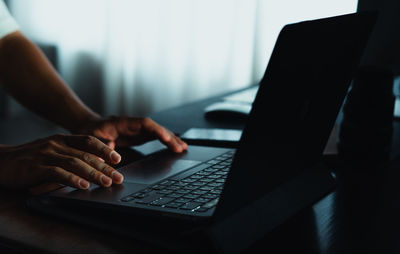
<point>361,216</point>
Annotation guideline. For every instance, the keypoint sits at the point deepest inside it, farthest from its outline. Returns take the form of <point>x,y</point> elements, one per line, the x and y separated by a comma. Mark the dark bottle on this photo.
<point>365,133</point>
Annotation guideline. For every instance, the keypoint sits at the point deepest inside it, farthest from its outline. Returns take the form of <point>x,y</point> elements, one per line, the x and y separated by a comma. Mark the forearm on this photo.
<point>29,77</point>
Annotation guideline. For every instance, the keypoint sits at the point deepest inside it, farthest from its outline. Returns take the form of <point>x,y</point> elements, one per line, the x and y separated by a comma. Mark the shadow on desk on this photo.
<point>365,209</point>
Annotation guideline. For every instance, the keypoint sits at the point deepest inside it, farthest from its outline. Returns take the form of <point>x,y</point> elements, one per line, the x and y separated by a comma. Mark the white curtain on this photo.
<point>156,54</point>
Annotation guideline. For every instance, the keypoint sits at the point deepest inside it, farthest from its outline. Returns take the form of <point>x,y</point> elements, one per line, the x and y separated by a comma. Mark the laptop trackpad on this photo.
<point>153,170</point>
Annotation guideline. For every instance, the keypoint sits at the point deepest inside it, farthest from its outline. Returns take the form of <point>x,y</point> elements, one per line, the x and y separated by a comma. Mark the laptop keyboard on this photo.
<point>197,192</point>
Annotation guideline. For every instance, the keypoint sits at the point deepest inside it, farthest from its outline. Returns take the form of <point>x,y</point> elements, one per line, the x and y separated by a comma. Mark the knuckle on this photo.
<point>93,174</point>
<point>87,157</point>
<point>51,143</point>
<point>71,178</point>
<point>72,161</point>
<point>86,138</point>
<point>146,120</point>
<point>89,140</point>
<point>105,150</point>
<point>47,147</point>
<point>107,169</point>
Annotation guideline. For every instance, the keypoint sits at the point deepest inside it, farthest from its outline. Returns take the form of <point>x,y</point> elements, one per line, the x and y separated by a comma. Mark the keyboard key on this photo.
<point>217,166</point>
<point>161,201</point>
<point>201,200</point>
<point>214,184</point>
<point>158,187</point>
<point>213,176</point>
<point>140,195</point>
<point>216,192</point>
<point>174,204</point>
<point>182,191</point>
<point>210,196</point>
<point>174,195</point>
<point>206,180</point>
<point>206,188</point>
<point>190,206</point>
<point>196,176</point>
<point>211,204</point>
<point>182,200</point>
<point>199,192</point>
<point>212,162</point>
<point>190,187</point>
<point>203,173</point>
<point>127,199</point>
<point>168,182</point>
<point>165,191</point>
<point>188,180</point>
<point>191,196</point>
<point>148,200</point>
<point>173,187</point>
<point>201,209</point>
<point>180,184</point>
<point>198,184</point>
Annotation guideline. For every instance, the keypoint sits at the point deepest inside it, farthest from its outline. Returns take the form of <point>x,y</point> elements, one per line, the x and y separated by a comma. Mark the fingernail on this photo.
<point>105,180</point>
<point>117,177</point>
<point>83,184</point>
<point>115,157</point>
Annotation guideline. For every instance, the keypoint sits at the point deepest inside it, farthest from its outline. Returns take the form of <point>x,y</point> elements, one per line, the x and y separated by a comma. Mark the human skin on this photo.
<point>78,159</point>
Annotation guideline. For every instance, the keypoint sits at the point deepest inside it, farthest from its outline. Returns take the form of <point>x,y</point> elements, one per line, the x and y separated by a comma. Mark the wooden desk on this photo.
<point>361,216</point>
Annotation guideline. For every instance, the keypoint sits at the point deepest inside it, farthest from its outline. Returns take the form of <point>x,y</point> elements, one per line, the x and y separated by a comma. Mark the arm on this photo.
<point>24,70</point>
<point>69,159</point>
<point>29,77</point>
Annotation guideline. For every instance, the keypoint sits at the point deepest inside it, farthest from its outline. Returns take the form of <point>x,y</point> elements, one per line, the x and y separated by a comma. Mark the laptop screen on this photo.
<point>296,106</point>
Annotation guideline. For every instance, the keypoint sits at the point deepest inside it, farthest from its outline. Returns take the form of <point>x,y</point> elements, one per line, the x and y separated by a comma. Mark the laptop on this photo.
<point>294,111</point>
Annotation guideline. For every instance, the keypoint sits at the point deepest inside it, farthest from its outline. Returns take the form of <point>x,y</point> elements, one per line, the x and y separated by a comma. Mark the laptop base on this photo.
<point>231,234</point>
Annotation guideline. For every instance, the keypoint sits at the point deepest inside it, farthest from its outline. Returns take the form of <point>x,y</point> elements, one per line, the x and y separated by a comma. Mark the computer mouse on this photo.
<point>227,110</point>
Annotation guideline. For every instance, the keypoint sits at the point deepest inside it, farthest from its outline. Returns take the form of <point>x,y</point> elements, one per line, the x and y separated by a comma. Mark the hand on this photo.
<point>73,160</point>
<point>128,131</point>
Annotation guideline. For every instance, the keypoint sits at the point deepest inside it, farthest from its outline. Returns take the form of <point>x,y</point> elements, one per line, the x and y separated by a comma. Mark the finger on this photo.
<point>174,145</point>
<point>94,146</point>
<point>57,174</point>
<point>182,143</point>
<point>94,162</point>
<point>165,136</point>
<point>82,169</point>
<point>108,142</point>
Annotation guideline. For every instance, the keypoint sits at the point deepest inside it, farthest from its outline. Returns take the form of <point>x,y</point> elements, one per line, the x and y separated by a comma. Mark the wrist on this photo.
<point>79,126</point>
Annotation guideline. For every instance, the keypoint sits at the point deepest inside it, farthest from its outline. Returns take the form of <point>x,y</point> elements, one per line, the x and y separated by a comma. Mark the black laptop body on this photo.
<point>273,173</point>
